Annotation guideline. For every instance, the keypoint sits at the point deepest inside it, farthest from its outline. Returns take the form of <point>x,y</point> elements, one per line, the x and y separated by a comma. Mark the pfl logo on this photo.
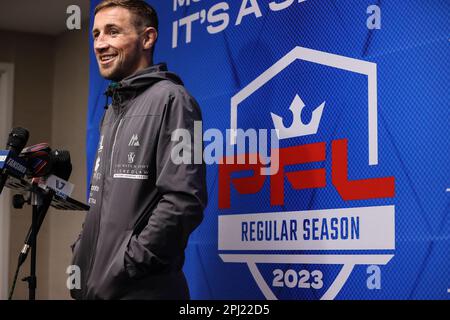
<point>298,235</point>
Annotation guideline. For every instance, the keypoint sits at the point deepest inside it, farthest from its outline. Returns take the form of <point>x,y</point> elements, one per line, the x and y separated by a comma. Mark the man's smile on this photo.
<point>106,59</point>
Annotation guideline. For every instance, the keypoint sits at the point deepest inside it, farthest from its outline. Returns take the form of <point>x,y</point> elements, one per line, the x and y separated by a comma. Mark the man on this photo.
<point>143,206</point>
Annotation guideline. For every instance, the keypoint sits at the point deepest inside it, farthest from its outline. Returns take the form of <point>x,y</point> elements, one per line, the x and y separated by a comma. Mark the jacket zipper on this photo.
<point>113,147</point>
<point>92,260</point>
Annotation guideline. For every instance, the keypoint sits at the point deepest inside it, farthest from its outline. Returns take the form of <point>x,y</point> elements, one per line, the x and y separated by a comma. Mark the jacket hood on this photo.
<point>130,87</point>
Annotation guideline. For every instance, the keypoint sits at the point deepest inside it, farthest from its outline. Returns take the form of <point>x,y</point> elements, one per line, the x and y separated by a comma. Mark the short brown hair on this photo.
<point>145,13</point>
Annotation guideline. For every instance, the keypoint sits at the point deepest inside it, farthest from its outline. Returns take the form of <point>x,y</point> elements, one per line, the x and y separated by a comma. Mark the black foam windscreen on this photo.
<point>62,165</point>
<point>17,140</point>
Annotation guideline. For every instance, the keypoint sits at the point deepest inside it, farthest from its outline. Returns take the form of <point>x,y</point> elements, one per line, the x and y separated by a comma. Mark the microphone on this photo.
<point>39,160</point>
<point>61,166</point>
<point>16,142</point>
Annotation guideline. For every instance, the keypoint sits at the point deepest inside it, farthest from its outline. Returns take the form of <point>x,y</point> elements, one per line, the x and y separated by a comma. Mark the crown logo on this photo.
<point>298,128</point>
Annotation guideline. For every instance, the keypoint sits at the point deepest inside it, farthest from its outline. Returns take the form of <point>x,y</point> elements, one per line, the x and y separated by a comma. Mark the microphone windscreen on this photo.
<point>39,164</point>
<point>62,166</point>
<point>17,139</point>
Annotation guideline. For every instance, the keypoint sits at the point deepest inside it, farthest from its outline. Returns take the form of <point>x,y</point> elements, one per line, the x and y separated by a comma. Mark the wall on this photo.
<point>50,94</point>
<point>70,94</point>
<point>6,101</point>
<point>32,56</point>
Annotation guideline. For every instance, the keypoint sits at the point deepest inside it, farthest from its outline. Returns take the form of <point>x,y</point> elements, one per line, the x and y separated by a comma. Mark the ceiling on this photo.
<point>39,16</point>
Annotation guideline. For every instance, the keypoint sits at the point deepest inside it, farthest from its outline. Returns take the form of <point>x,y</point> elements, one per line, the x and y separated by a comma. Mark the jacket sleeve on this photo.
<point>160,246</point>
<point>75,243</point>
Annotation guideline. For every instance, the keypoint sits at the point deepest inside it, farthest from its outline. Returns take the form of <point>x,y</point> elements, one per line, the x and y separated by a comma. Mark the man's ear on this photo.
<point>149,38</point>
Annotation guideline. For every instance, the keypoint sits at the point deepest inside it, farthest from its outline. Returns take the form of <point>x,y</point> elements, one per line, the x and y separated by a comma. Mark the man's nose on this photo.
<point>100,44</point>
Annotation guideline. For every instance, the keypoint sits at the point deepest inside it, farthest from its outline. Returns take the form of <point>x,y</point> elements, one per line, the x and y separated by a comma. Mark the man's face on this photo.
<point>117,44</point>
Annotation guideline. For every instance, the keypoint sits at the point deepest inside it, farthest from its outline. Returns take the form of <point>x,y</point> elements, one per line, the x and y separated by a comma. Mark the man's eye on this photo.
<point>114,32</point>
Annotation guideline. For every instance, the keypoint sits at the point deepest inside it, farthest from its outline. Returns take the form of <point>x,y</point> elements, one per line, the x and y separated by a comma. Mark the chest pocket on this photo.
<point>134,147</point>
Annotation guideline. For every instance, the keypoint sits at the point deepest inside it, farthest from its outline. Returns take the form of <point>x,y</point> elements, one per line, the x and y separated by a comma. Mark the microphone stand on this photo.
<point>36,200</point>
<point>40,201</point>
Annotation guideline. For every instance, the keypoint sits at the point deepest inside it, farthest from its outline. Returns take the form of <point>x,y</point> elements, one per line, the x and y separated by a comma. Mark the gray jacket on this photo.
<point>143,206</point>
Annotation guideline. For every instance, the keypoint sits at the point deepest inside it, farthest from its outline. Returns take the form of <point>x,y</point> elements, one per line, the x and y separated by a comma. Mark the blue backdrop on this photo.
<point>386,93</point>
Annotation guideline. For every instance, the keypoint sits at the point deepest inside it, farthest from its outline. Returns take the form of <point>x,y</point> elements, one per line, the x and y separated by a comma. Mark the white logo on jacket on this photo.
<point>131,157</point>
<point>100,148</point>
<point>97,164</point>
<point>134,141</point>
